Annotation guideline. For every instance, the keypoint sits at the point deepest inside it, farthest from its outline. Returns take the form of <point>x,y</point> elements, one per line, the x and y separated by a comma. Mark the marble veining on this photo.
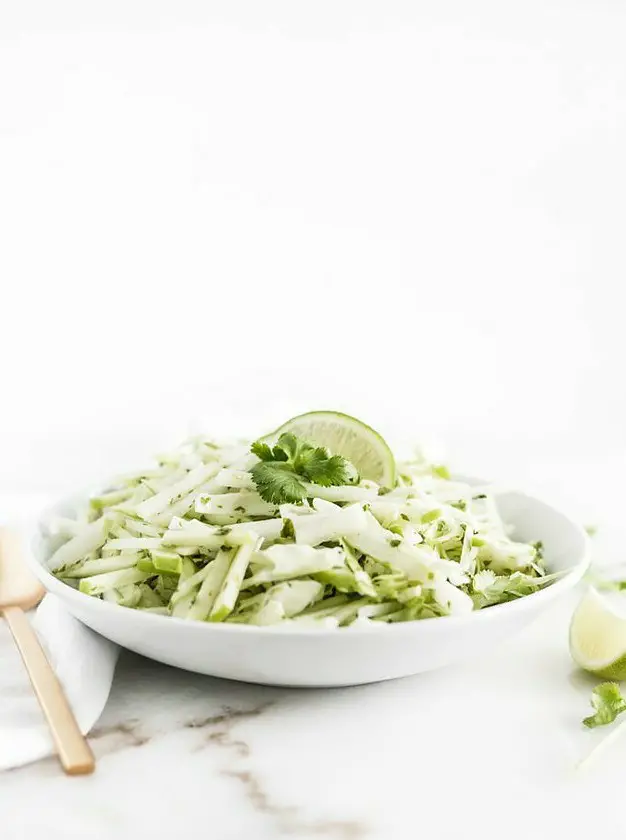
<point>217,731</point>
<point>426,756</point>
<point>119,736</point>
<point>287,818</point>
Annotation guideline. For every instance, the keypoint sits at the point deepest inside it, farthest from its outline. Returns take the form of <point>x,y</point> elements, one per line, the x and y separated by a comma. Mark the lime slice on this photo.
<point>597,637</point>
<point>347,436</point>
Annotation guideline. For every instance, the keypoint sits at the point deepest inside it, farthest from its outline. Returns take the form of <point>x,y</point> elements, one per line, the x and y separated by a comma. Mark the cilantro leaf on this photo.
<point>608,703</point>
<point>280,454</point>
<point>324,470</point>
<point>277,484</point>
<point>262,451</point>
<point>279,475</point>
<point>320,467</point>
<point>310,458</point>
<point>287,447</point>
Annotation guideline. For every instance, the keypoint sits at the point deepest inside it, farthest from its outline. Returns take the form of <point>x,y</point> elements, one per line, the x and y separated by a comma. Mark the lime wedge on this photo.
<point>597,637</point>
<point>347,436</point>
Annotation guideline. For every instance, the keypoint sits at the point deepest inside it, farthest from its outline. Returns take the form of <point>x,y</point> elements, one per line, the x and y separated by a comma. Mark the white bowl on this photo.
<point>336,657</point>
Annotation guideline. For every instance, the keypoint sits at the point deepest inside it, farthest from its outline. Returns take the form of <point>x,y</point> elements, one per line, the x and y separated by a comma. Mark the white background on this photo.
<point>234,211</point>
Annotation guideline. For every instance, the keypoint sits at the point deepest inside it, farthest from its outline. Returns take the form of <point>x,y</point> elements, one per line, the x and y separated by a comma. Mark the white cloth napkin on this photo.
<point>84,663</point>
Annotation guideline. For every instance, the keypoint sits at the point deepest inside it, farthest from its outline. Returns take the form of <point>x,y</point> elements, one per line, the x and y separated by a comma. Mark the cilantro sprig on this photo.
<point>608,703</point>
<point>283,469</point>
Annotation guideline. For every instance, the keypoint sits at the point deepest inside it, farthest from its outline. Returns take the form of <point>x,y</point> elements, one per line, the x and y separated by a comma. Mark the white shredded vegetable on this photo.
<point>200,537</point>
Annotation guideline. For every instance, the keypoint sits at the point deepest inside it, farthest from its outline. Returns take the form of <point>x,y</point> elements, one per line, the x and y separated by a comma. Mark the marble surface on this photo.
<point>491,744</point>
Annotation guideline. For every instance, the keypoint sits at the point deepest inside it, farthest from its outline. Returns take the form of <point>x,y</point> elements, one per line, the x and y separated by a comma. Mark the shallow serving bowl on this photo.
<point>336,657</point>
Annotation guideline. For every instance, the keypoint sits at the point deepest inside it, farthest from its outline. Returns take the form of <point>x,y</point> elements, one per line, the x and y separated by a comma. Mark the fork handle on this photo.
<point>74,751</point>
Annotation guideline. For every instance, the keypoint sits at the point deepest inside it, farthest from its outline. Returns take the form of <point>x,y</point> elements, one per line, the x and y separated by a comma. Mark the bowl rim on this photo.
<point>569,579</point>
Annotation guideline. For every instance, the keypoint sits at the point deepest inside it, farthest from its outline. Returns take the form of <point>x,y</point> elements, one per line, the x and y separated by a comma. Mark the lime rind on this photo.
<point>347,436</point>
<point>615,672</point>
